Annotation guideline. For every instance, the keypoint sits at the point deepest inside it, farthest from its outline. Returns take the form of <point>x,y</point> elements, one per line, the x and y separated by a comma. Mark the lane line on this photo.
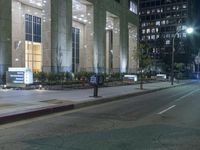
<point>187,95</point>
<point>182,97</point>
<point>162,112</point>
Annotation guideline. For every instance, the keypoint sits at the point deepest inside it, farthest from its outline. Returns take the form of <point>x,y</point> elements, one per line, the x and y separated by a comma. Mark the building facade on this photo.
<point>159,22</point>
<point>69,35</point>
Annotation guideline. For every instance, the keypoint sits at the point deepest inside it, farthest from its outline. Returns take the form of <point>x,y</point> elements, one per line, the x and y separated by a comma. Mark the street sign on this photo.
<point>19,77</point>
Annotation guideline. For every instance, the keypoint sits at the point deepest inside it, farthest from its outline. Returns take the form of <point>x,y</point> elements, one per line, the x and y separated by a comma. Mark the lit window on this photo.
<point>184,6</point>
<point>143,24</point>
<point>167,42</point>
<point>143,31</point>
<point>148,30</point>
<point>133,6</point>
<point>148,11</point>
<point>157,30</point>
<point>158,23</point>
<point>163,22</point>
<point>153,37</point>
<point>33,46</point>
<point>153,30</point>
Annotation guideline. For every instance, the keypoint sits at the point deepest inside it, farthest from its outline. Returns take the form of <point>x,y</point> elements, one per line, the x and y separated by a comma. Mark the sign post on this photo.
<point>19,77</point>
<point>95,81</point>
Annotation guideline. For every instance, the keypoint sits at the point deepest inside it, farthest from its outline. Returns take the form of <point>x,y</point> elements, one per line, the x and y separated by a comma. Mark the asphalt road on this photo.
<point>164,120</point>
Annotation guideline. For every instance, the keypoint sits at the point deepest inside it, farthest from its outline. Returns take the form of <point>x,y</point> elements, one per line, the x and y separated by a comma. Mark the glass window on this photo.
<point>184,6</point>
<point>133,6</point>
<point>33,48</point>
<point>32,28</point>
<point>163,22</point>
<point>153,37</point>
<point>153,30</point>
<point>167,42</point>
<point>158,23</point>
<point>33,56</point>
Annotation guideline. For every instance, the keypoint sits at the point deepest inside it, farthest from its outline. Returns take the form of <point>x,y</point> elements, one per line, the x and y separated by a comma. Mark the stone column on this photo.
<point>89,39</point>
<point>5,35</point>
<point>61,35</point>
<point>133,61</point>
<point>123,43</point>
<point>99,38</point>
<point>116,45</point>
<point>46,38</point>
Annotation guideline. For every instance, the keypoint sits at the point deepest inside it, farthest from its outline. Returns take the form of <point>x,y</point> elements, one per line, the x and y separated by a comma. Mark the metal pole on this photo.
<point>198,72</point>
<point>172,67</point>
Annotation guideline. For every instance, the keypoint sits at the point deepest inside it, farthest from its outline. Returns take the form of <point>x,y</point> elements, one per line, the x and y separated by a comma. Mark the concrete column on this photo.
<point>133,61</point>
<point>107,52</point>
<point>46,38</point>
<point>99,38</point>
<point>116,45</point>
<point>5,35</point>
<point>123,43</point>
<point>61,35</point>
<point>18,34</point>
<point>89,40</point>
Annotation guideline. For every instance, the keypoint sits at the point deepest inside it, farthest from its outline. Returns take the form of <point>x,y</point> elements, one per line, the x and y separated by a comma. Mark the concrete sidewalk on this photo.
<point>23,104</point>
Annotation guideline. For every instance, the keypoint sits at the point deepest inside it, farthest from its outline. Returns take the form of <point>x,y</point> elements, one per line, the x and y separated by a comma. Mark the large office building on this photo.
<point>160,20</point>
<point>69,35</point>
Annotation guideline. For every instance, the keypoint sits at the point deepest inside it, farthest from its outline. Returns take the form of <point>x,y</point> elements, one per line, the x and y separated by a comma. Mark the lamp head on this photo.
<point>189,30</point>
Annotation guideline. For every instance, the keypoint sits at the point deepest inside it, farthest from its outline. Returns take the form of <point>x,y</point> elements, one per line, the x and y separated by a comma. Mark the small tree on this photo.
<point>178,68</point>
<point>142,55</point>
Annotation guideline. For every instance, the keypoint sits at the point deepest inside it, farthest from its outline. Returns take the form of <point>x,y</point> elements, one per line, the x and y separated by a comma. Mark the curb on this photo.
<point>33,113</point>
<point>18,116</point>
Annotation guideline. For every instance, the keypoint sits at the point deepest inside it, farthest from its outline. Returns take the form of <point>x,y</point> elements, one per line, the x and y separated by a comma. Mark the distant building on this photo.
<point>68,35</point>
<point>159,21</point>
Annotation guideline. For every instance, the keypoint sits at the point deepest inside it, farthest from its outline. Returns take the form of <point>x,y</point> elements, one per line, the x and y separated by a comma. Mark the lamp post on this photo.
<point>189,31</point>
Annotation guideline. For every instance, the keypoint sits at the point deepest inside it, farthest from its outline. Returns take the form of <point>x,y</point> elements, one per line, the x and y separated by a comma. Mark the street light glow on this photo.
<point>189,30</point>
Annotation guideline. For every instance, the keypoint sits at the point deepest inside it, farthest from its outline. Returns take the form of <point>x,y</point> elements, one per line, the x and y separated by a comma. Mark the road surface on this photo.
<point>164,120</point>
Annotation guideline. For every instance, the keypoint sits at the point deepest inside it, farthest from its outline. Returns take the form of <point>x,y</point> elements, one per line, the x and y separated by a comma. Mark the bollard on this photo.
<point>95,91</point>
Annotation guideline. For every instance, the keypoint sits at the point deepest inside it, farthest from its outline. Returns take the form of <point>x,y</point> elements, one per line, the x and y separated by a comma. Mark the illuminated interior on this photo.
<point>30,18</point>
<point>82,15</point>
<point>112,42</point>
<point>33,56</point>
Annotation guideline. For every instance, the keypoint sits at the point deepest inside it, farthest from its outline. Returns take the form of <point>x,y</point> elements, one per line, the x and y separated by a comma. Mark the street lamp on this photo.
<point>188,30</point>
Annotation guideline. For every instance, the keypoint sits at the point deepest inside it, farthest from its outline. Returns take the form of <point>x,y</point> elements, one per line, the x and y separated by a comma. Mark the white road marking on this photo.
<point>187,95</point>
<point>182,97</point>
<point>162,112</point>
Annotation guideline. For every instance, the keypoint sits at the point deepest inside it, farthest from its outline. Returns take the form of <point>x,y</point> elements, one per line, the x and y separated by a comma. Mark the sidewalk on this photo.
<point>23,104</point>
